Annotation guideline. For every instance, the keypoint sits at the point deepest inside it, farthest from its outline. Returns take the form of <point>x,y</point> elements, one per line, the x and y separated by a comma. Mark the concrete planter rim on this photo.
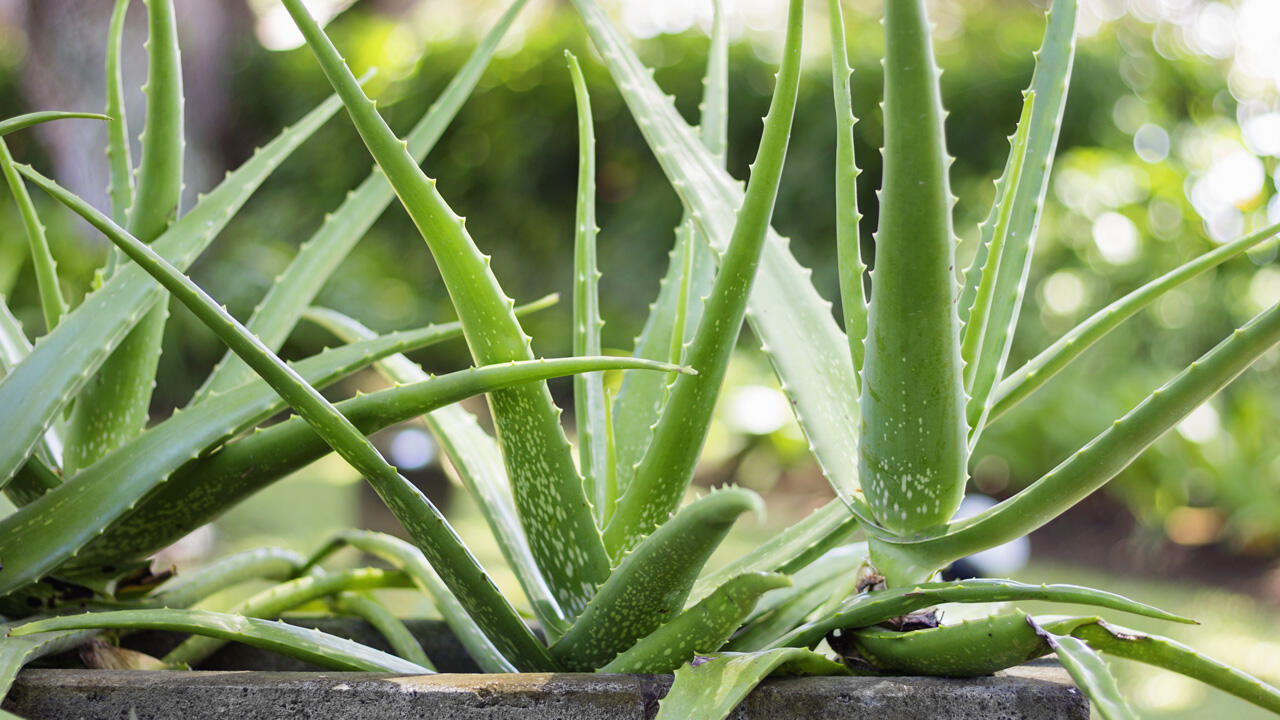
<point>1039,690</point>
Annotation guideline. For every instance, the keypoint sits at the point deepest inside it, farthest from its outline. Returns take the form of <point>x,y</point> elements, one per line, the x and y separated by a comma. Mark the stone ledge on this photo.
<point>1037,691</point>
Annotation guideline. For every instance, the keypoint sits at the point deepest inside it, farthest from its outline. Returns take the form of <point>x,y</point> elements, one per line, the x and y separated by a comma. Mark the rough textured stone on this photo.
<point>1034,692</point>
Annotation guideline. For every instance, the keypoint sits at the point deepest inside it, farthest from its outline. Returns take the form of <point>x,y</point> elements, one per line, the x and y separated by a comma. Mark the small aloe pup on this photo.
<point>922,372</point>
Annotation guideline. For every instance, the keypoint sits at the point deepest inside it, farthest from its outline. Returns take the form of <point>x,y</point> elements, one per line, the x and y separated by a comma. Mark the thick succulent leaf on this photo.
<point>274,602</point>
<point>913,451</point>
<point>409,559</point>
<point>870,608</point>
<point>712,686</point>
<point>475,458</point>
<point>973,350</point>
<point>853,301</point>
<point>691,268</point>
<point>20,122</point>
<point>205,487</point>
<point>1039,369</point>
<point>424,522</point>
<point>304,644</point>
<point>115,406</point>
<point>1172,655</point>
<point>392,629</point>
<point>120,187</point>
<point>548,489</point>
<point>796,327</point>
<point>669,462</point>
<point>1090,672</point>
<point>651,583</point>
<point>18,651</point>
<point>39,473</point>
<point>97,496</point>
<point>698,630</point>
<point>588,389</point>
<point>969,649</point>
<point>294,289</point>
<point>189,588</point>
<point>824,583</point>
<point>788,551</point>
<point>1090,467</point>
<point>52,304</point>
<point>64,360</point>
<point>1047,97</point>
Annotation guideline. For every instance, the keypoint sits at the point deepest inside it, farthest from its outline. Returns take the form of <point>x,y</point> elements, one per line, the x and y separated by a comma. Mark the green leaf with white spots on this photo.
<point>795,325</point>
<point>700,629</point>
<point>668,463</point>
<point>650,585</point>
<point>475,458</point>
<point>548,489</point>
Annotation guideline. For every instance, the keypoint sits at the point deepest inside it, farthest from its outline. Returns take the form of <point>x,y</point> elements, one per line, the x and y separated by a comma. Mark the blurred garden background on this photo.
<point>1170,145</point>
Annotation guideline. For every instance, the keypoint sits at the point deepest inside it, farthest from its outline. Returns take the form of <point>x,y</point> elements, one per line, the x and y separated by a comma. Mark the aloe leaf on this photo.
<point>21,122</point>
<point>711,687</point>
<point>64,360</point>
<point>825,582</point>
<point>668,464</point>
<point>870,608</point>
<point>1090,672</point>
<point>392,629</point>
<point>788,551</point>
<point>968,649</point>
<point>548,489</point>
<point>912,435</point>
<point>411,560</point>
<point>1038,370</point>
<point>274,602</point>
<point>52,303</point>
<point>207,486</point>
<point>651,583</point>
<point>420,517</point>
<point>691,268</point>
<point>475,458</point>
<point>853,302</point>
<point>975,328</point>
<point>188,588</point>
<point>1172,655</point>
<point>120,187</point>
<point>18,651</point>
<point>806,346</point>
<point>1090,467</point>
<point>700,629</point>
<point>39,473</point>
<point>114,407</point>
<point>318,258</point>
<point>1047,98</point>
<point>588,389</point>
<point>304,644</point>
<point>100,494</point>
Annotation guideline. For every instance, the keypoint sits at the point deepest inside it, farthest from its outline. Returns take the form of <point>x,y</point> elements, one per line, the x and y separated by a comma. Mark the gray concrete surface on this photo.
<point>1039,691</point>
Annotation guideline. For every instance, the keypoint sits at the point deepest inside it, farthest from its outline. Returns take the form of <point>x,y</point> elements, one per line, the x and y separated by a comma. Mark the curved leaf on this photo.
<point>870,608</point>
<point>548,489</point>
<point>304,644</point>
<point>650,585</point>
<point>700,629</point>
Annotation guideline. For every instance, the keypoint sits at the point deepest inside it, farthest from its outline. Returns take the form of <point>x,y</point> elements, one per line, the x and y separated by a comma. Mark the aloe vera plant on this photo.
<point>610,564</point>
